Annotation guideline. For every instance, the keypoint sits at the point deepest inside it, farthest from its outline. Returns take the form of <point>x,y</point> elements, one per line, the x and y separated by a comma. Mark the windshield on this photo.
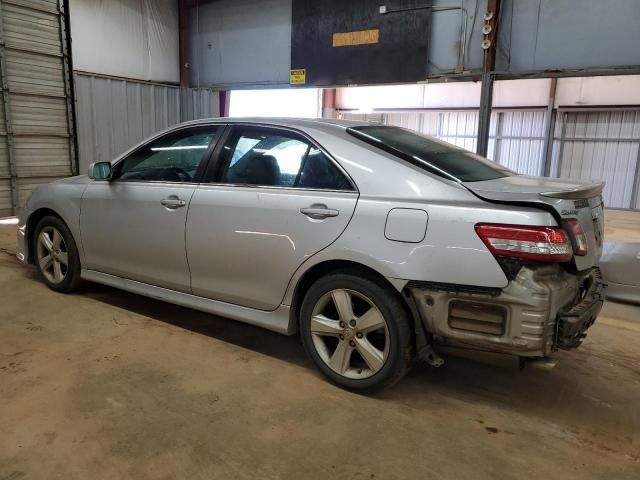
<point>432,155</point>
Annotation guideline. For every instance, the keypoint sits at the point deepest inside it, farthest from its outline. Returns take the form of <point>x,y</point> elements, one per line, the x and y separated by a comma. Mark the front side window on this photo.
<point>434,156</point>
<point>174,157</point>
<point>260,156</point>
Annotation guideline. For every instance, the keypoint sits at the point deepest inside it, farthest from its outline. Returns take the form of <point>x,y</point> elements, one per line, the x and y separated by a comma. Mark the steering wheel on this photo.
<point>176,174</point>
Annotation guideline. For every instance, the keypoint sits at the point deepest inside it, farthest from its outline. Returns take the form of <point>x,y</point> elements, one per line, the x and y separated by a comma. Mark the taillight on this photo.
<point>580,244</point>
<point>542,244</point>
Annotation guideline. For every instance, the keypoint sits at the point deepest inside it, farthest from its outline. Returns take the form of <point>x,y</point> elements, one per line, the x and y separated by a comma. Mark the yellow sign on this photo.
<point>360,37</point>
<point>298,76</point>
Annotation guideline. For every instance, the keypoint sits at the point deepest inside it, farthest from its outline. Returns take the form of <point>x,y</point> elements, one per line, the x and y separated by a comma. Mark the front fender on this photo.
<point>64,199</point>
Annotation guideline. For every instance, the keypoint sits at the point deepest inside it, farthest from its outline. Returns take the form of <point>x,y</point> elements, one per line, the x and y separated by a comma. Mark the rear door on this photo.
<point>274,199</point>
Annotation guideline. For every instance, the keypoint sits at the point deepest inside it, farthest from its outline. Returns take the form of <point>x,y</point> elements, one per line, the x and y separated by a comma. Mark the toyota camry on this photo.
<point>375,244</point>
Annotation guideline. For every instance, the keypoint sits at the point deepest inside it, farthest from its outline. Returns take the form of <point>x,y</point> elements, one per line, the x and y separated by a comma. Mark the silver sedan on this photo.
<point>375,244</point>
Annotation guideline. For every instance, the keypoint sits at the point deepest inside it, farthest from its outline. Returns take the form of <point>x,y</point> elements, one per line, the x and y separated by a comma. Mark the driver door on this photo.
<point>133,226</point>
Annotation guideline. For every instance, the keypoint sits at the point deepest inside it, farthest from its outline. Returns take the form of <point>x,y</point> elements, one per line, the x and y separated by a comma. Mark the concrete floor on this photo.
<point>106,384</point>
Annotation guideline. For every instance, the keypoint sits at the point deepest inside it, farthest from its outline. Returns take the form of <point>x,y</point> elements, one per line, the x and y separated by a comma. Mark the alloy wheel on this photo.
<point>52,254</point>
<point>350,334</point>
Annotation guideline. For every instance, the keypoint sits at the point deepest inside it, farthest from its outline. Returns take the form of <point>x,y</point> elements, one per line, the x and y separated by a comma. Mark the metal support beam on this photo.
<point>183,36</point>
<point>67,73</point>
<point>635,194</point>
<point>562,139</point>
<point>497,139</point>
<point>488,77</point>
<point>224,97</point>
<point>329,103</point>
<point>484,115</point>
<point>491,22</point>
<point>549,129</point>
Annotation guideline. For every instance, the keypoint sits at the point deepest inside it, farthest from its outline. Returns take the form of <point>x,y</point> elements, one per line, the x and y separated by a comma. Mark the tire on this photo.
<point>376,363</point>
<point>51,253</point>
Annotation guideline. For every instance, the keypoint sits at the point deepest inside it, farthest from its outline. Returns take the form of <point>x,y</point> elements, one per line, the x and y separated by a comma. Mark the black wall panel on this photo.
<point>400,55</point>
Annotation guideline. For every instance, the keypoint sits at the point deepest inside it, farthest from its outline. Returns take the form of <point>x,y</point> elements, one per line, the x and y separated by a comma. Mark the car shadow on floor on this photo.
<point>491,378</point>
<point>241,334</point>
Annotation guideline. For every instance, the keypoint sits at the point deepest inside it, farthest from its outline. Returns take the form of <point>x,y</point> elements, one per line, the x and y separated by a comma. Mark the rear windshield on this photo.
<point>434,156</point>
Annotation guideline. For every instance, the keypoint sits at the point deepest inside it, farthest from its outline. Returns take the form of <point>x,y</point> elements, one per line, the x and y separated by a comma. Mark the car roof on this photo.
<point>300,123</point>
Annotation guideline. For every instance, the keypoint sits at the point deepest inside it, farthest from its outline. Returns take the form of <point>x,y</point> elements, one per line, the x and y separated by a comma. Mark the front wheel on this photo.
<point>56,255</point>
<point>356,331</point>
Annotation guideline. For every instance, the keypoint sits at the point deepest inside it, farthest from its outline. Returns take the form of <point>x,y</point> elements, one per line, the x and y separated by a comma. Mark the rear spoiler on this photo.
<point>582,192</point>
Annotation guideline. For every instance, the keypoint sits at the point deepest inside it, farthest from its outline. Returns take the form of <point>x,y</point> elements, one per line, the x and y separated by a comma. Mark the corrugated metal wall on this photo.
<point>600,145</point>
<point>36,127</point>
<point>115,114</point>
<point>199,103</point>
<point>519,140</point>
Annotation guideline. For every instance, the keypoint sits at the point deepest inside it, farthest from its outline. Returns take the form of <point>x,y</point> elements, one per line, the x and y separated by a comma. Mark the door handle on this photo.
<point>319,211</point>
<point>173,202</point>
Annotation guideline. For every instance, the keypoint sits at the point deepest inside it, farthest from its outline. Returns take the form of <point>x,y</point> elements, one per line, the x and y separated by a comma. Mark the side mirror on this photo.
<point>100,171</point>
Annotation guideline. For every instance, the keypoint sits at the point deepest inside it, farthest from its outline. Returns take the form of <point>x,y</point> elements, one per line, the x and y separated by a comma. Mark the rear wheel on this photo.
<point>56,255</point>
<point>356,331</point>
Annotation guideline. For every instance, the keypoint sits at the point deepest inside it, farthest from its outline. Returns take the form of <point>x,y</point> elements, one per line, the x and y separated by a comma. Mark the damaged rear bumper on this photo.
<point>542,309</point>
<point>573,322</point>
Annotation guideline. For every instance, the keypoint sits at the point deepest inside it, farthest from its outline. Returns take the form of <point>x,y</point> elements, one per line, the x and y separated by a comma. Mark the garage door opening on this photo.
<point>305,103</point>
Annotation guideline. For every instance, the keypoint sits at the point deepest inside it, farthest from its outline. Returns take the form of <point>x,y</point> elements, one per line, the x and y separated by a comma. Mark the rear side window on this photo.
<point>320,173</point>
<point>260,159</point>
<point>269,157</point>
<point>434,156</point>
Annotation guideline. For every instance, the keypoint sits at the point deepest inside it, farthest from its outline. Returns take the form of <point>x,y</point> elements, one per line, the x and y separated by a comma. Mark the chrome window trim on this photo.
<point>117,180</point>
<point>274,187</point>
<point>225,123</point>
<point>152,182</point>
<point>220,184</point>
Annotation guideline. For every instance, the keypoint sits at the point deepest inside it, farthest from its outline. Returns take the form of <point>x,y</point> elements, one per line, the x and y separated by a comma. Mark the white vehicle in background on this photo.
<point>621,267</point>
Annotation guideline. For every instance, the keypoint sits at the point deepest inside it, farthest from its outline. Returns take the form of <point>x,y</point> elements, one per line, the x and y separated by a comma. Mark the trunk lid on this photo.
<point>569,199</point>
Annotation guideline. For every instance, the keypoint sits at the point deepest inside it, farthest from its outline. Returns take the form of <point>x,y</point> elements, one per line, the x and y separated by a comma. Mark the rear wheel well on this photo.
<point>34,218</point>
<point>342,266</point>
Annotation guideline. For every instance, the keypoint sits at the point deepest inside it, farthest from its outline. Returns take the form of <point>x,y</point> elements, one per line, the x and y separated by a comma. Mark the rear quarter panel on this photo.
<point>451,251</point>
